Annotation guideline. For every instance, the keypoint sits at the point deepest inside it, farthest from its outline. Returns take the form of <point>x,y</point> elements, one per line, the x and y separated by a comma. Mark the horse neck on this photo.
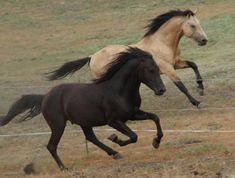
<point>126,81</point>
<point>169,34</point>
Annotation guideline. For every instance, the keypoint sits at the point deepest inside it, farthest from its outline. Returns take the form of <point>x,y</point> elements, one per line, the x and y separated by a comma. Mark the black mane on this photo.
<point>157,22</point>
<point>121,59</point>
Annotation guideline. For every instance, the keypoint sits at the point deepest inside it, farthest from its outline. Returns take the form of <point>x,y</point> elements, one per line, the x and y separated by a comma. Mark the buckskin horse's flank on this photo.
<point>161,40</point>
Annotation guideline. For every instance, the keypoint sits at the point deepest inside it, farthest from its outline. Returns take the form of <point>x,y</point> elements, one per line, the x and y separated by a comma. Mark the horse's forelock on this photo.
<point>188,13</point>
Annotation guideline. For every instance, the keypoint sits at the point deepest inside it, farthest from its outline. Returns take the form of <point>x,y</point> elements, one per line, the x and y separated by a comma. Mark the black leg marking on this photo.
<point>198,76</point>
<point>183,89</point>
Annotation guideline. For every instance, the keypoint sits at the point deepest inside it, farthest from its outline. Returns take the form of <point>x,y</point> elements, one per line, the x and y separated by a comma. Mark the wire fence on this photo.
<point>136,130</point>
<point>232,108</point>
<point>48,86</point>
<point>224,93</point>
<point>85,145</point>
<point>187,109</point>
<point>191,109</point>
<point>113,130</point>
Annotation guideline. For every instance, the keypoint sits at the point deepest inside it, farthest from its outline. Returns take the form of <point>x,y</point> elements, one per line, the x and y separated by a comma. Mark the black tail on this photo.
<point>68,68</point>
<point>26,102</point>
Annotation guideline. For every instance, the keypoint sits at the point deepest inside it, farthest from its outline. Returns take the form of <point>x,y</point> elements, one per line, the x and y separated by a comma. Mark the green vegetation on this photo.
<point>39,35</point>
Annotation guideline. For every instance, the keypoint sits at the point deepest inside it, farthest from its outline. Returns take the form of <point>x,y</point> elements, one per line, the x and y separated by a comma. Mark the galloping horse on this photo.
<point>111,100</point>
<point>162,41</point>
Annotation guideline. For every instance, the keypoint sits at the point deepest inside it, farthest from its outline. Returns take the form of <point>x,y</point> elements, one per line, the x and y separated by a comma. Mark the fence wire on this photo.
<point>113,130</point>
<point>49,86</point>
<point>231,108</point>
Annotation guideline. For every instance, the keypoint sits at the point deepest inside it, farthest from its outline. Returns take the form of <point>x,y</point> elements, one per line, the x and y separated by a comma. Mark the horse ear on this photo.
<point>195,11</point>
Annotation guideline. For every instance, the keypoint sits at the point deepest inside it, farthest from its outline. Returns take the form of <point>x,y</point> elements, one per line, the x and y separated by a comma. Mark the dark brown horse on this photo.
<point>112,100</point>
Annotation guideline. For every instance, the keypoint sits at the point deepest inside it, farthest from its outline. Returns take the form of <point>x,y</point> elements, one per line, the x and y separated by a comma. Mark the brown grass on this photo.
<point>37,36</point>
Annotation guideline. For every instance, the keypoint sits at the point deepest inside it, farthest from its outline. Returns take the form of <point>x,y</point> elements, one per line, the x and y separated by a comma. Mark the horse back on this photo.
<point>101,58</point>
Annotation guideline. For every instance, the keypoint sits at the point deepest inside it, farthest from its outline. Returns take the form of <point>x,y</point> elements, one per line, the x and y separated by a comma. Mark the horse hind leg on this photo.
<point>57,130</point>
<point>52,146</point>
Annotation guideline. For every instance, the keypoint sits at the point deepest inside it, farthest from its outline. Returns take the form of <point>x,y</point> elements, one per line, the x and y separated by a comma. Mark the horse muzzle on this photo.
<point>202,42</point>
<point>159,92</point>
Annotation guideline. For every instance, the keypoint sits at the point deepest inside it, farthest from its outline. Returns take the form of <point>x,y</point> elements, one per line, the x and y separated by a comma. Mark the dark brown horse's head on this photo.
<point>149,74</point>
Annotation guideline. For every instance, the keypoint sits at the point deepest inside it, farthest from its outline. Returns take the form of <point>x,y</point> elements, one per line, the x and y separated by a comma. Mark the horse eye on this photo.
<point>193,26</point>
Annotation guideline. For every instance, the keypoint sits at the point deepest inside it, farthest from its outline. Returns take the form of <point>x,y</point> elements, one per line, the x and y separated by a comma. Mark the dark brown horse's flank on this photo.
<point>162,41</point>
<point>112,100</point>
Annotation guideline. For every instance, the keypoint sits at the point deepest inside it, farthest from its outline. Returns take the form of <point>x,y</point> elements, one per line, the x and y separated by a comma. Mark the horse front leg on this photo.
<point>181,64</point>
<point>183,89</point>
<point>124,129</point>
<point>171,73</point>
<point>142,115</point>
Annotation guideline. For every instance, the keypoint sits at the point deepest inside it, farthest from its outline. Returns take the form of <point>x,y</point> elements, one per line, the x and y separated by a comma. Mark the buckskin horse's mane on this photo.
<point>121,59</point>
<point>157,22</point>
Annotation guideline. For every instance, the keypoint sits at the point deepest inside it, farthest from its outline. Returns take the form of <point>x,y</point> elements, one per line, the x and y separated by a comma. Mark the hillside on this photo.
<point>38,36</point>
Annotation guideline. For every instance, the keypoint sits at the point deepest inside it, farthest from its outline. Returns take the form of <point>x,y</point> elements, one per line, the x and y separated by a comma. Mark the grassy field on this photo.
<point>38,35</point>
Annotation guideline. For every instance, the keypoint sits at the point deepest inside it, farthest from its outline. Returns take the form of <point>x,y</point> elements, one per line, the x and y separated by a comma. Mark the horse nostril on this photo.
<point>162,91</point>
<point>204,40</point>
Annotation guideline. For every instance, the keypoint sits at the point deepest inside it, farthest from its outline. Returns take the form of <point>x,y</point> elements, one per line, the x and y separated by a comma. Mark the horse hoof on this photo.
<point>200,91</point>
<point>64,169</point>
<point>113,137</point>
<point>156,143</point>
<point>117,156</point>
<point>29,169</point>
<point>201,105</point>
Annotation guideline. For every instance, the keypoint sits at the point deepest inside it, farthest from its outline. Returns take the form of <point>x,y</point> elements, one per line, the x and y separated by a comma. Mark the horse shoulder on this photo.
<point>119,106</point>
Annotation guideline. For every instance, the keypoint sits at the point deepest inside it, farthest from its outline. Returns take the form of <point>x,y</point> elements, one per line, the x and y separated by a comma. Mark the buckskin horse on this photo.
<point>112,99</point>
<point>162,41</point>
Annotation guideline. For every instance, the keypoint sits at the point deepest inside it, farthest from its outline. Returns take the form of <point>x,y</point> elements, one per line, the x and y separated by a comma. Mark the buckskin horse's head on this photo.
<point>192,29</point>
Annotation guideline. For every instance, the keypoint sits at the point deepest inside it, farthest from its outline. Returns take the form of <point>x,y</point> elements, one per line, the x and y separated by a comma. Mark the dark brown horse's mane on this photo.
<point>121,59</point>
<point>157,22</point>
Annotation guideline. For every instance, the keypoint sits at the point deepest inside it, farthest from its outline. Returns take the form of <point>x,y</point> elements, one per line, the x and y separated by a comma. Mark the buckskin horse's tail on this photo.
<point>68,68</point>
<point>26,102</point>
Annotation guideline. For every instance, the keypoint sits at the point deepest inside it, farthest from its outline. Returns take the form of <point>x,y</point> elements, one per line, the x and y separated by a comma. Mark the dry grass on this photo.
<point>37,36</point>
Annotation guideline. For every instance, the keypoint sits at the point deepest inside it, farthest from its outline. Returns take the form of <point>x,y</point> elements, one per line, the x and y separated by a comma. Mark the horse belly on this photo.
<point>87,118</point>
<point>83,109</point>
